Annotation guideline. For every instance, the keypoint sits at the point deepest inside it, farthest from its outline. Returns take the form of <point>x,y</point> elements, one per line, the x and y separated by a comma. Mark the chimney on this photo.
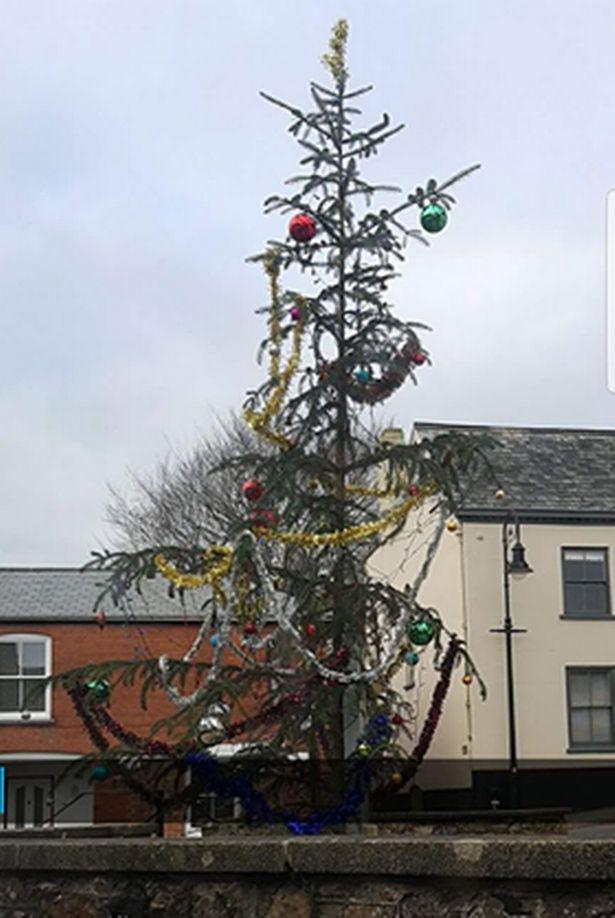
<point>392,436</point>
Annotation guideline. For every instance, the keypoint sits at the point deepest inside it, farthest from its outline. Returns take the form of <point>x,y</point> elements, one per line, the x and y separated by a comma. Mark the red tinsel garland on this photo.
<point>431,721</point>
<point>89,714</point>
<point>77,696</point>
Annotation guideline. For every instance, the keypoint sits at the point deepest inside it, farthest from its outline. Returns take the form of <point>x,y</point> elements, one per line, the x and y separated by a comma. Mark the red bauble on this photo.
<point>302,228</point>
<point>413,490</point>
<point>252,489</point>
<point>397,719</point>
<point>266,519</point>
<point>249,628</point>
<point>310,629</point>
<point>419,359</point>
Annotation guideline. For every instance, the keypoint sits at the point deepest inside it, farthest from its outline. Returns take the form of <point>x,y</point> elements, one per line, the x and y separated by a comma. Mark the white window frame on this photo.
<point>28,717</point>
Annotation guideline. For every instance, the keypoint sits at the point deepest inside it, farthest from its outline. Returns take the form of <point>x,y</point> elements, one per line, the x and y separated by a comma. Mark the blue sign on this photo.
<point>2,790</point>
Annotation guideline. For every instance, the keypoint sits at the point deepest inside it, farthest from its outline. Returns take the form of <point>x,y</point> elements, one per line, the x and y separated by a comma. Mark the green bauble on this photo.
<point>421,632</point>
<point>99,689</point>
<point>433,218</point>
<point>100,772</point>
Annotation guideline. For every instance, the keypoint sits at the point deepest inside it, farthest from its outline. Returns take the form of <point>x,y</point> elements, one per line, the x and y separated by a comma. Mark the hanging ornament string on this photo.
<point>260,421</point>
<point>431,721</point>
<point>207,772</point>
<point>164,664</point>
<point>356,533</point>
<point>268,715</point>
<point>77,695</point>
<point>218,558</point>
<point>283,617</point>
<point>364,389</point>
<point>272,270</point>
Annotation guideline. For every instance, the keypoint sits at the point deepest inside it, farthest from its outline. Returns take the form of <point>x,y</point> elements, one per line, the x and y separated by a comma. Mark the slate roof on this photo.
<point>547,472</point>
<point>69,594</point>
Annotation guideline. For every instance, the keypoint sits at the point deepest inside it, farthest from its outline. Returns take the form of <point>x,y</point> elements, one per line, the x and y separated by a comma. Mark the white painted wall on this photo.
<point>465,585</point>
<point>541,655</point>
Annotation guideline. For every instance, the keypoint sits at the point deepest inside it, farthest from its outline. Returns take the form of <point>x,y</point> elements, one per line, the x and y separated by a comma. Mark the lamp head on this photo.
<point>518,566</point>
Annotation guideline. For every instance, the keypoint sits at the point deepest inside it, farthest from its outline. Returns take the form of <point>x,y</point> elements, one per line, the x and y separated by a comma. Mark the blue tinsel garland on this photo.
<point>206,770</point>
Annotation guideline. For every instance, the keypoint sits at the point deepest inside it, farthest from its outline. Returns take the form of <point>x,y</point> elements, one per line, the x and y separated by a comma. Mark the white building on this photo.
<point>561,483</point>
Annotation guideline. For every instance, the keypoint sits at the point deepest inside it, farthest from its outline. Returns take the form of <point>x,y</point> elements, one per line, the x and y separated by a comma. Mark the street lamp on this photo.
<point>514,566</point>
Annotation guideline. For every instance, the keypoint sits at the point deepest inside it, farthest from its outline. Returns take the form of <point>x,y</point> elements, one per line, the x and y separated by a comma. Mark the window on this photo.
<point>25,663</point>
<point>208,808</point>
<point>586,582</point>
<point>590,707</point>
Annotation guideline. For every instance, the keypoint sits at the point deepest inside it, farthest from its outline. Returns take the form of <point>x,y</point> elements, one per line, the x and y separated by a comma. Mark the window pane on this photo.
<point>600,690</point>
<point>574,554</point>
<point>9,695</point>
<point>33,658</point>
<point>580,726</point>
<point>601,725</point>
<point>574,597</point>
<point>33,694</point>
<point>39,805</point>
<point>595,567</point>
<point>574,565</point>
<point>9,665</point>
<point>596,599</point>
<point>579,689</point>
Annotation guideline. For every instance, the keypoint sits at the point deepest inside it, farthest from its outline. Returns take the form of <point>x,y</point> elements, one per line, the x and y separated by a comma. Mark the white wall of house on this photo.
<point>541,656</point>
<point>465,585</point>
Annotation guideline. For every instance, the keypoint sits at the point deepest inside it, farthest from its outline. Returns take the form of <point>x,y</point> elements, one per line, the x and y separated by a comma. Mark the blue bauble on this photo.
<point>100,772</point>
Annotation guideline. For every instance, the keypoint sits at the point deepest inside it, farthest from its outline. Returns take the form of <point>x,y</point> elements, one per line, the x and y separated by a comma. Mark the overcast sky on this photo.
<point>135,155</point>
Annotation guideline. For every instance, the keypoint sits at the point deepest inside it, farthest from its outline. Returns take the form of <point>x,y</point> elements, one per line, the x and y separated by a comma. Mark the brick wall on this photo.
<point>76,644</point>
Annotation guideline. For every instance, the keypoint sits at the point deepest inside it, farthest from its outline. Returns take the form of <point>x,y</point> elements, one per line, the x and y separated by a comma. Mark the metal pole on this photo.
<point>508,629</point>
<point>513,790</point>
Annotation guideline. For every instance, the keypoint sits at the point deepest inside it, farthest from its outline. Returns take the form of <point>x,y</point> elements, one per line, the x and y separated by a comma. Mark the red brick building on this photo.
<point>47,626</point>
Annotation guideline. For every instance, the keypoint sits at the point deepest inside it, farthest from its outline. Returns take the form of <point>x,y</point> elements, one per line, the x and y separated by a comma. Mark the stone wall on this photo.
<point>300,878</point>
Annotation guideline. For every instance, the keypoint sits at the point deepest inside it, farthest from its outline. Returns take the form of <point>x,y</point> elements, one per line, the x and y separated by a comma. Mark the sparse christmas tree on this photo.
<point>290,613</point>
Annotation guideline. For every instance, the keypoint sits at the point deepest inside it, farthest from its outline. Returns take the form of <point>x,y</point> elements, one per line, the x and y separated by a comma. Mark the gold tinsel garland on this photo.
<point>219,558</point>
<point>351,533</point>
<point>260,421</point>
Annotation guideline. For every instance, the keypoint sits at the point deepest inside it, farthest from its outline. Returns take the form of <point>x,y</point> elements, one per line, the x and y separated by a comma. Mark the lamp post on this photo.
<point>516,566</point>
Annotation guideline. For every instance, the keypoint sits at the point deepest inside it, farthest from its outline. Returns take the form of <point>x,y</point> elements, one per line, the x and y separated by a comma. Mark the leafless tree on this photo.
<point>190,498</point>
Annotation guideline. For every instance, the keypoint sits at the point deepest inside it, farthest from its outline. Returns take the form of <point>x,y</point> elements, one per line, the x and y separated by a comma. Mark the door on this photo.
<point>28,802</point>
